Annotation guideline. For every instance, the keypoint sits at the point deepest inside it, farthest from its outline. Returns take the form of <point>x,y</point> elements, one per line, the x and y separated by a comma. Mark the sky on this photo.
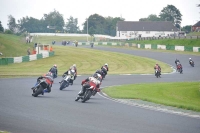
<point>130,10</point>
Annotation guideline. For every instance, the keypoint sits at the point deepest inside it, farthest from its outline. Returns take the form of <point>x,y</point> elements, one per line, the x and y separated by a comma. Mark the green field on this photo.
<point>184,95</point>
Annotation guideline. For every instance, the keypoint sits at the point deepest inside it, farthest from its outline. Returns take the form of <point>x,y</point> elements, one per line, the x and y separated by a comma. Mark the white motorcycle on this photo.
<point>67,79</point>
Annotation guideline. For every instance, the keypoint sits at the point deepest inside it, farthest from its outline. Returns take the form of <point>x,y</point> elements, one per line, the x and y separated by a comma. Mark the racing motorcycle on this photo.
<point>67,80</point>
<point>192,63</point>
<point>39,87</point>
<point>157,73</point>
<point>180,69</point>
<point>88,93</point>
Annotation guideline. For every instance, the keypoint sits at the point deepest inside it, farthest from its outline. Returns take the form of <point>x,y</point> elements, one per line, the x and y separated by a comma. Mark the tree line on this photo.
<point>94,24</point>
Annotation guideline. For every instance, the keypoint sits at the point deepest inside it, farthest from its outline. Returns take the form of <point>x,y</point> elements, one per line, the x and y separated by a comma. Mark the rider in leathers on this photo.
<point>90,81</point>
<point>158,68</point>
<point>73,67</point>
<point>105,68</point>
<point>49,80</point>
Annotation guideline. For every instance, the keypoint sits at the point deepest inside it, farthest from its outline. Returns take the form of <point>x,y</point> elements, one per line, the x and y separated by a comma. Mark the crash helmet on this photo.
<point>106,64</point>
<point>97,76</point>
<point>49,74</point>
<point>55,65</point>
<point>74,65</point>
<point>189,58</point>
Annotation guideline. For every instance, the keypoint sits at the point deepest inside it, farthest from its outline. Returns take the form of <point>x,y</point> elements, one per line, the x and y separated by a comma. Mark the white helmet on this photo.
<point>74,65</point>
<point>73,71</point>
<point>106,64</point>
<point>189,58</point>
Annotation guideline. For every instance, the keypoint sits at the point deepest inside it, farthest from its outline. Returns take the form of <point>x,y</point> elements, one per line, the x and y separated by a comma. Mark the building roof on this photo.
<point>197,24</point>
<point>146,26</point>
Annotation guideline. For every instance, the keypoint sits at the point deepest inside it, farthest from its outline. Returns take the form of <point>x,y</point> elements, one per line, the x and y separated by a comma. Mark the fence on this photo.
<point>147,46</point>
<point>10,60</point>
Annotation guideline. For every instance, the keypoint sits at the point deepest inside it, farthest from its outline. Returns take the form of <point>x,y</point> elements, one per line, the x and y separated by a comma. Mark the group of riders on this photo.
<point>178,66</point>
<point>94,80</point>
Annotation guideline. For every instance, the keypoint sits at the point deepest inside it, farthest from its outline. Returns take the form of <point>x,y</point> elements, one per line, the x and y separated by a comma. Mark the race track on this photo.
<point>58,112</point>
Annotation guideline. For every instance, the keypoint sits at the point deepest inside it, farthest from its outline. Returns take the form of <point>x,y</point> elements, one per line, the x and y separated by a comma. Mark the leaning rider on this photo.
<point>88,82</point>
<point>49,80</point>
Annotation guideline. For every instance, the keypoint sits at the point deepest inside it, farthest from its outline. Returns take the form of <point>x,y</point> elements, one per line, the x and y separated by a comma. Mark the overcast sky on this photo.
<point>131,10</point>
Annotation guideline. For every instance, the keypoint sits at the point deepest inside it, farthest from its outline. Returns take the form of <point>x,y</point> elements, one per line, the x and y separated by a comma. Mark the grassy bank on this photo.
<point>13,46</point>
<point>184,95</point>
<point>87,61</point>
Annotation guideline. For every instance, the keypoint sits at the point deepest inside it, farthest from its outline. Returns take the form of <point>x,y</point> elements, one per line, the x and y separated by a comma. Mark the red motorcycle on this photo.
<point>179,68</point>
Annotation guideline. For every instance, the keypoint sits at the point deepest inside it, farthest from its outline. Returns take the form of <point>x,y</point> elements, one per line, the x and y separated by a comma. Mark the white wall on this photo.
<point>135,34</point>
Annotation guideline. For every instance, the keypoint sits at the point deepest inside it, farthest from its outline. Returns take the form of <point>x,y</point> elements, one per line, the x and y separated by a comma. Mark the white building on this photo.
<point>134,29</point>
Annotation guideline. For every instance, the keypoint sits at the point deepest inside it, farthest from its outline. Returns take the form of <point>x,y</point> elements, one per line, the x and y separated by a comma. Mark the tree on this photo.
<point>29,24</point>
<point>171,13</point>
<point>151,17</point>
<point>13,27</point>
<point>54,19</point>
<point>111,22</point>
<point>71,26</point>
<point>1,27</point>
<point>96,21</point>
<point>101,25</point>
<point>187,28</point>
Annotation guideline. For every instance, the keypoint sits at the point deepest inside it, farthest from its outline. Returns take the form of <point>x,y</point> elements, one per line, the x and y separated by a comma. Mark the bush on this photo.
<point>8,32</point>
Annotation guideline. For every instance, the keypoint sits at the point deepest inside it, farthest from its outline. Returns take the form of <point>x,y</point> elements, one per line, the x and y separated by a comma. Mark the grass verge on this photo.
<point>184,95</point>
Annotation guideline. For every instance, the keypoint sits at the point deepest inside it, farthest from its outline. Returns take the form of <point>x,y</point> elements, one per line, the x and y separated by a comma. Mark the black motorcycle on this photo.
<point>192,63</point>
<point>39,88</point>
<point>157,73</point>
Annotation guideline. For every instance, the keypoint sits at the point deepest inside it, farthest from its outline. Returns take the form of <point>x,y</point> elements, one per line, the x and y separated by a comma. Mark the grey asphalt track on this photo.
<point>58,112</point>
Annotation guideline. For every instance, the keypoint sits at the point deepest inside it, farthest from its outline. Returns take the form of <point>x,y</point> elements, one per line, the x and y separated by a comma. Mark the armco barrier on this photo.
<point>188,48</point>
<point>10,60</point>
<point>153,46</point>
<point>39,56</point>
<point>170,47</point>
<point>148,46</point>
<point>51,53</point>
<point>3,61</point>
<point>25,58</point>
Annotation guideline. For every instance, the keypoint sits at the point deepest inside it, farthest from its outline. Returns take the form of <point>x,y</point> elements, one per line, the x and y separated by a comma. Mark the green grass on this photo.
<point>87,61</point>
<point>184,95</point>
<point>13,46</point>
<point>178,42</point>
<point>194,34</point>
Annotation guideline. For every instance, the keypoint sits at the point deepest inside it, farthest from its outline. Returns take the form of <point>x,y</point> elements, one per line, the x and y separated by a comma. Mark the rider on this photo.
<point>177,61</point>
<point>178,65</point>
<point>90,81</point>
<point>49,80</point>
<point>105,68</point>
<point>190,60</point>
<point>100,74</point>
<point>158,68</point>
<point>68,72</point>
<point>75,69</point>
<point>54,71</point>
